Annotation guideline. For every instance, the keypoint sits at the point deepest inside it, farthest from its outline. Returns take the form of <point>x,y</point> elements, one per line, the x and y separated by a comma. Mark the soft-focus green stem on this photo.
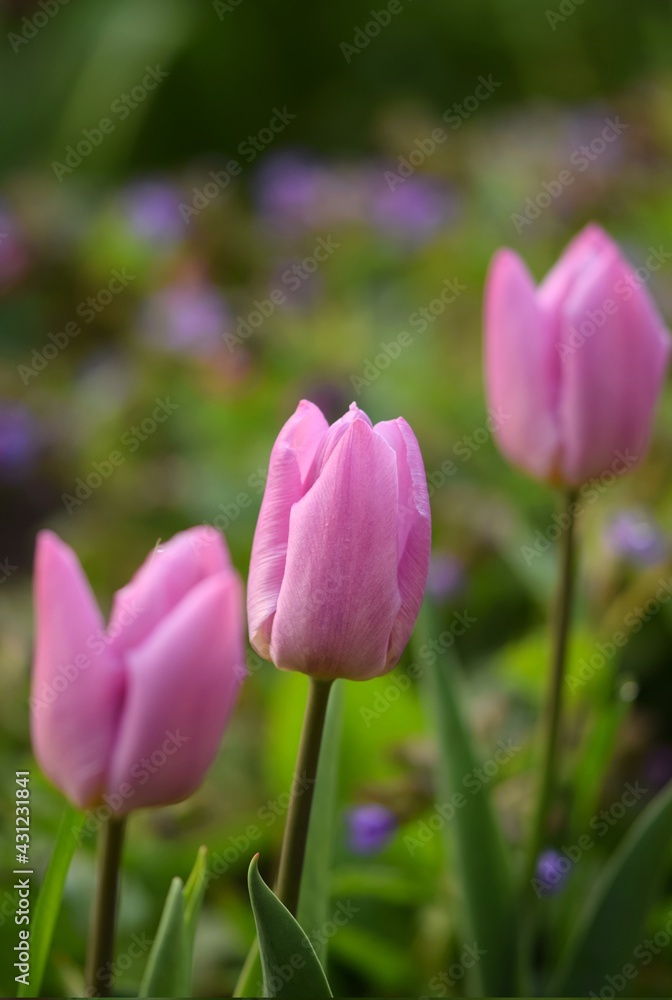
<point>561,622</point>
<point>101,941</point>
<point>298,815</point>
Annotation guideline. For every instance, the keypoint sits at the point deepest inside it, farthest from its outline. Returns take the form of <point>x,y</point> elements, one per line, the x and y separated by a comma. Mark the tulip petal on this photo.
<point>291,459</point>
<point>612,372</point>
<point>170,571</point>
<point>77,684</point>
<point>521,368</point>
<point>558,283</point>
<point>339,597</point>
<point>415,530</point>
<point>331,439</point>
<point>182,684</point>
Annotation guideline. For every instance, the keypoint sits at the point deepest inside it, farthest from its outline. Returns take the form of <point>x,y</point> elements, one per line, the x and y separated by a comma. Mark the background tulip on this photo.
<point>341,550</point>
<point>132,714</point>
<point>573,367</point>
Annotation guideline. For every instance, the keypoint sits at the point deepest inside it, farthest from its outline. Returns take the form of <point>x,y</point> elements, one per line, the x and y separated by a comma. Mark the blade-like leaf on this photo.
<point>49,899</point>
<point>167,974</point>
<point>313,909</point>
<point>250,974</point>
<point>290,966</point>
<point>193,893</point>
<point>482,862</point>
<point>614,916</point>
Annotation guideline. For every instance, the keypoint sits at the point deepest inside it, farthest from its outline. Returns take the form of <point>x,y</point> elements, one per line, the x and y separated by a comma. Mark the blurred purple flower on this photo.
<point>416,209</point>
<point>370,828</point>
<point>189,318</point>
<point>446,576</point>
<point>152,210</point>
<point>288,188</point>
<point>19,440</point>
<point>634,536</point>
<point>658,765</point>
<point>552,870</point>
<point>588,127</point>
<point>14,258</point>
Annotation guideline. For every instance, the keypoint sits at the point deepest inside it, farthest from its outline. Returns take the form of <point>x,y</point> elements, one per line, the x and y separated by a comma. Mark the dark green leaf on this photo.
<point>289,963</point>
<point>614,916</point>
<point>482,863</point>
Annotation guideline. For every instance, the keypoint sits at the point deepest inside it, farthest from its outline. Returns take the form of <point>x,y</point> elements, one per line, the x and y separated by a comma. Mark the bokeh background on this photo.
<point>183,327</point>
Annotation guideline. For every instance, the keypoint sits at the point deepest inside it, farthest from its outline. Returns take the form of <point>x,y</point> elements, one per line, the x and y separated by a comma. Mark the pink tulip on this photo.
<point>131,714</point>
<point>573,368</point>
<point>341,551</point>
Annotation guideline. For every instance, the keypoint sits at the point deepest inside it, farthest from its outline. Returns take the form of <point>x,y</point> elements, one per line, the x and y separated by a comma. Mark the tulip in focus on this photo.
<point>341,550</point>
<point>131,714</point>
<point>574,367</point>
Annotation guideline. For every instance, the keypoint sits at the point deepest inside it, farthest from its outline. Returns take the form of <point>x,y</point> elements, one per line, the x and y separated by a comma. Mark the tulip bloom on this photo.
<point>341,551</point>
<point>132,714</point>
<point>574,367</point>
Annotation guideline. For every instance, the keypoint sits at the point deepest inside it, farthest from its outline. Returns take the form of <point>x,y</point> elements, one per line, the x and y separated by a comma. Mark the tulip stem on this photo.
<point>298,815</point>
<point>101,942</point>
<point>561,622</point>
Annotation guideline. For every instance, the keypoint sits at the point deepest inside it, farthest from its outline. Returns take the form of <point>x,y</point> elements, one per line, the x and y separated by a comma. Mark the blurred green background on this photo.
<point>106,171</point>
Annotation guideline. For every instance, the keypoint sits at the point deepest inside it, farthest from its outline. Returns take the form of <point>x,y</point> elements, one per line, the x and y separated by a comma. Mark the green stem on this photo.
<point>101,941</point>
<point>298,815</point>
<point>554,699</point>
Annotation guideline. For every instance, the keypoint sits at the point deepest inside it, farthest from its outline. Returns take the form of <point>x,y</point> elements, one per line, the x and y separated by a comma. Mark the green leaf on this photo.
<point>614,915</point>
<point>49,899</point>
<point>193,893</point>
<point>313,909</point>
<point>290,966</point>
<point>482,862</point>
<point>251,973</point>
<point>166,974</point>
<point>168,971</point>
